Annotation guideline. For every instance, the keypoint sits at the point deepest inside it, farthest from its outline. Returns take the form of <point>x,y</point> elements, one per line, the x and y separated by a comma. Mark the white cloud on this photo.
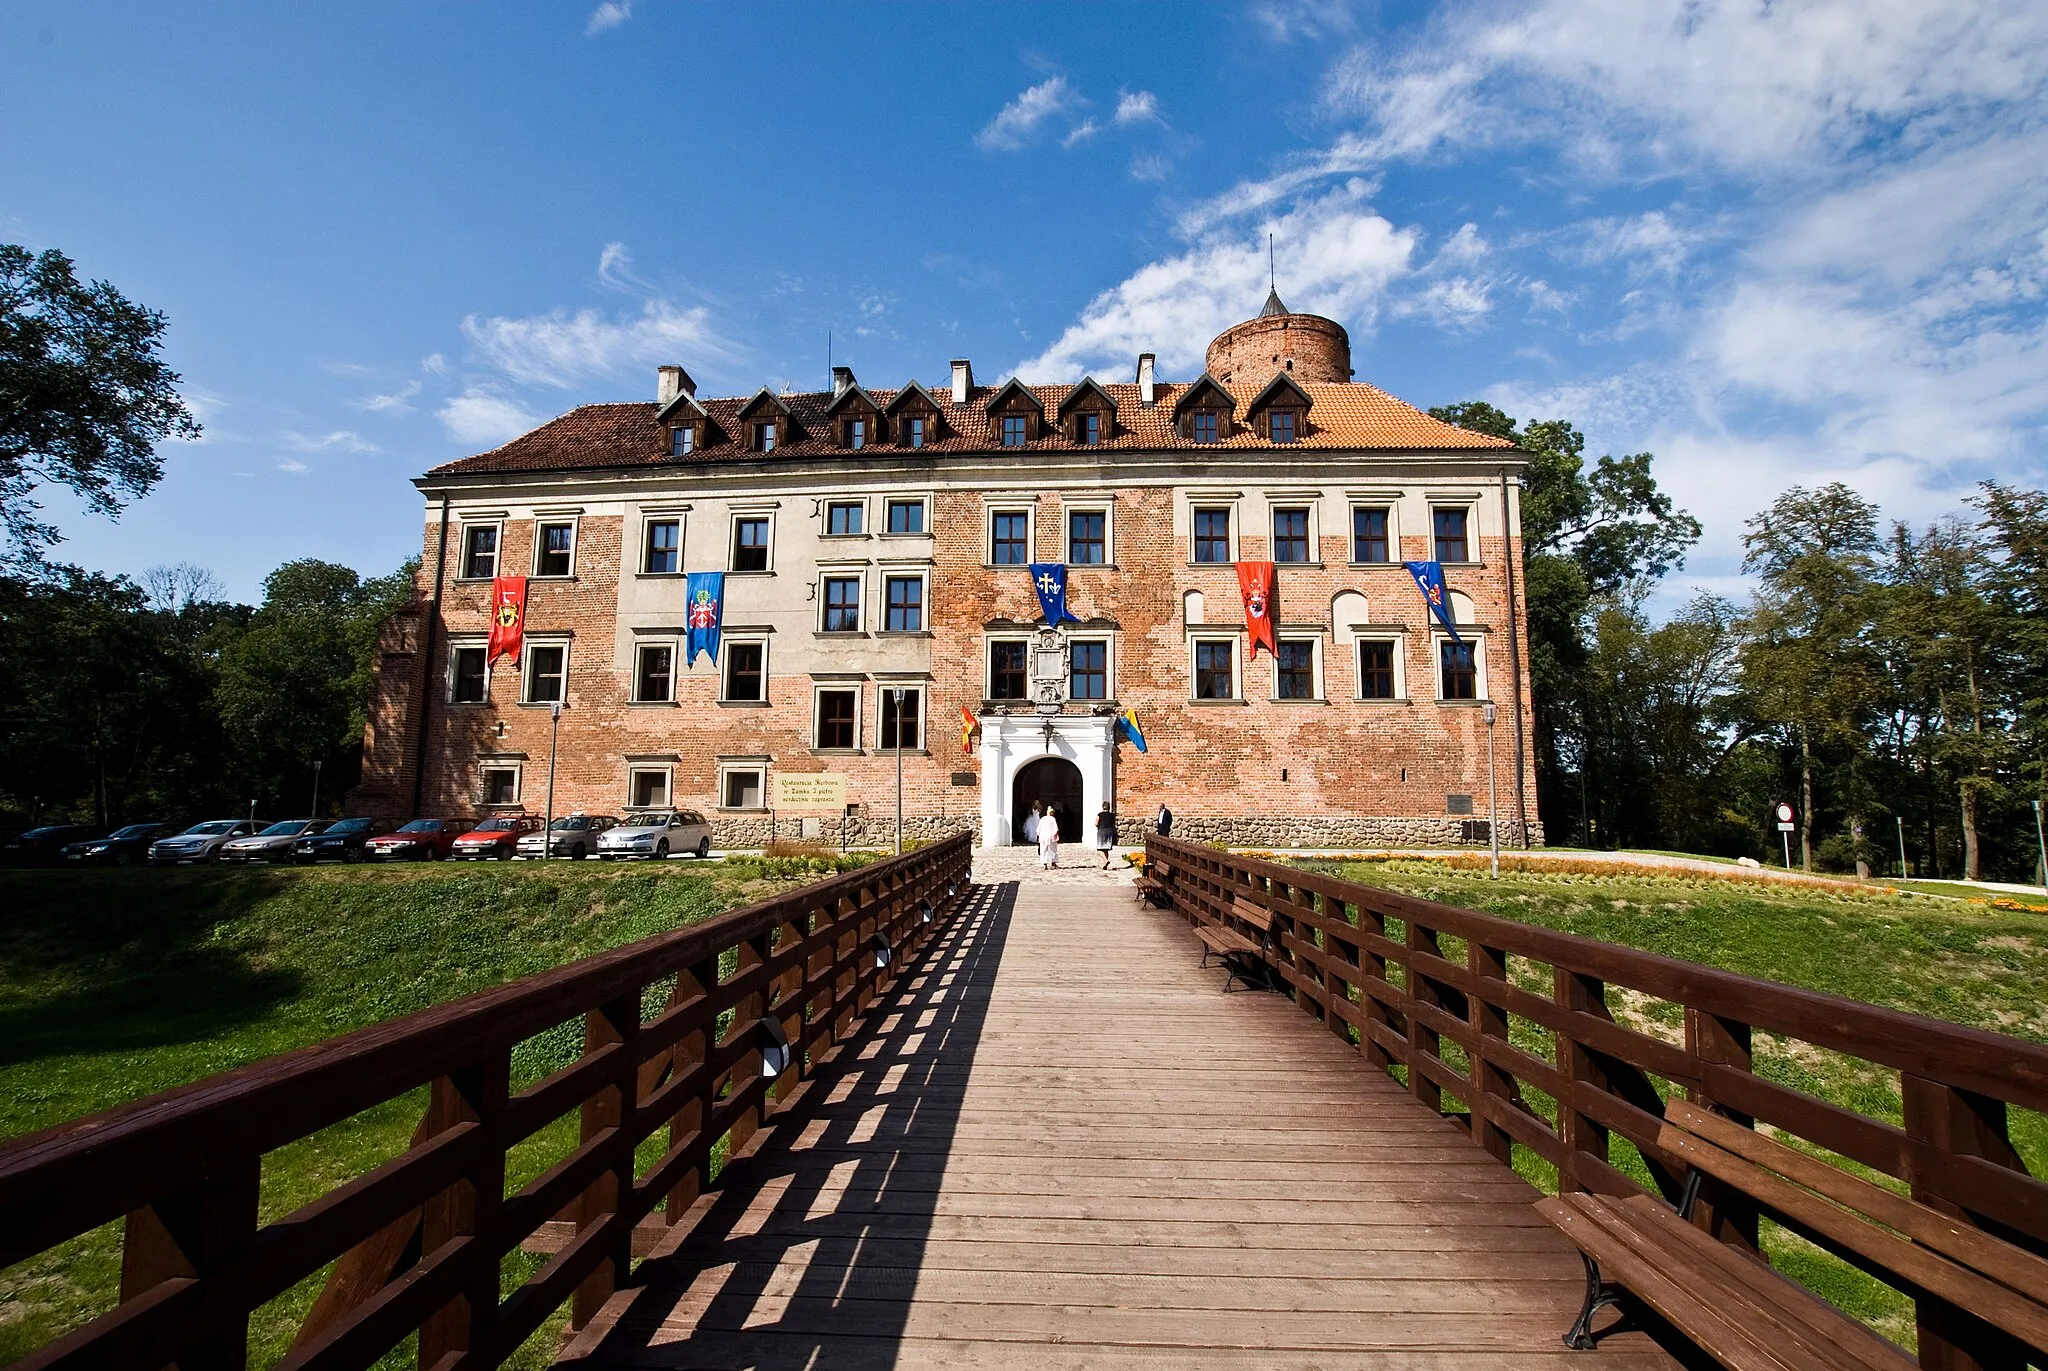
<point>561,349</point>
<point>483,419</point>
<point>1151,166</point>
<point>615,269</point>
<point>1648,241</point>
<point>397,402</point>
<point>1341,256</point>
<point>1138,107</point>
<point>1019,120</point>
<point>341,440</point>
<point>1082,132</point>
<point>293,467</point>
<point>608,16</point>
<point>434,364</point>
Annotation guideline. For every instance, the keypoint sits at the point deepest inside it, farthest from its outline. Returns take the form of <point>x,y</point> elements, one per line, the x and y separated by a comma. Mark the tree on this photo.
<point>1586,536</point>
<point>84,395</point>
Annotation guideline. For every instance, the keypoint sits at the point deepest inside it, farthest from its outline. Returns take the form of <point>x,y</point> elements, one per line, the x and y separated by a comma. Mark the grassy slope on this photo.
<point>115,984</point>
<point>1952,960</point>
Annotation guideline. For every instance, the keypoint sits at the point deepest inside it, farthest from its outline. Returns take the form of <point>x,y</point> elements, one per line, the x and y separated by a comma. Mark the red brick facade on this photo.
<point>1333,769</point>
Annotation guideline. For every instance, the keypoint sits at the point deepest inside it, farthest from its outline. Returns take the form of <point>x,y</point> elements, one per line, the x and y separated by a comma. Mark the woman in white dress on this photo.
<point>1031,825</point>
<point>1049,838</point>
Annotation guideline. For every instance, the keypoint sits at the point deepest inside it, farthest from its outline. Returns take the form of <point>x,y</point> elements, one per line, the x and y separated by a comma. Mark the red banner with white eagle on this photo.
<point>1255,581</point>
<point>508,619</point>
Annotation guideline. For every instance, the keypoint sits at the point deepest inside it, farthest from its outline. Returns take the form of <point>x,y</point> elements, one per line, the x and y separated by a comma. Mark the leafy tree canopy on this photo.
<point>85,396</point>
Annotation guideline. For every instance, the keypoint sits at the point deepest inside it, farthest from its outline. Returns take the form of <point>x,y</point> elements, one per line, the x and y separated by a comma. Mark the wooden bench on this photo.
<point>1729,1301</point>
<point>1153,892</point>
<point>1243,959</point>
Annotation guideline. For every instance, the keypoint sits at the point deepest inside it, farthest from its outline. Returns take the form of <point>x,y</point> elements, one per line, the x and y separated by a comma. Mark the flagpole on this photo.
<point>547,837</point>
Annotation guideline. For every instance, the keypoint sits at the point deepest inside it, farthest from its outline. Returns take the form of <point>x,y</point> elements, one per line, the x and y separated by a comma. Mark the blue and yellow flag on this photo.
<point>1128,722</point>
<point>1429,579</point>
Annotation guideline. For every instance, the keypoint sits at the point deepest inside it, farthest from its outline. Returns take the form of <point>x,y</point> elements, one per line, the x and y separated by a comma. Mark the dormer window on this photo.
<point>1202,425</point>
<point>1013,430</point>
<point>913,431</point>
<point>682,440</point>
<point>1280,426</point>
<point>856,433</point>
<point>764,436</point>
<point>1280,411</point>
<point>1088,428</point>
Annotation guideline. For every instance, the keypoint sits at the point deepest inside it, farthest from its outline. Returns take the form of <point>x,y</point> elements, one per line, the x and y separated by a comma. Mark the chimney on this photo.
<point>963,379</point>
<point>671,382</point>
<point>842,381</point>
<point>1148,392</point>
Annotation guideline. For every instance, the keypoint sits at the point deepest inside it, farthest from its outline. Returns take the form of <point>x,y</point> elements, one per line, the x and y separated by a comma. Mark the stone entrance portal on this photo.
<point>1011,743</point>
<point>1048,781</point>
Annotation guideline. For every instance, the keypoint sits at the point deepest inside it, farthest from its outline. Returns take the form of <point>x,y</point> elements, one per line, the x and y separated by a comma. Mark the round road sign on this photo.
<point>1784,813</point>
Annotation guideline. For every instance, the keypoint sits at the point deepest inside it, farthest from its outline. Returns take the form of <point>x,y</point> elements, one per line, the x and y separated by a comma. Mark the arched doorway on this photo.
<point>1048,780</point>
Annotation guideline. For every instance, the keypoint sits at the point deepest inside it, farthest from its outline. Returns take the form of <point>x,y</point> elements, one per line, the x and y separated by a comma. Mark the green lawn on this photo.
<point>116,984</point>
<point>1966,963</point>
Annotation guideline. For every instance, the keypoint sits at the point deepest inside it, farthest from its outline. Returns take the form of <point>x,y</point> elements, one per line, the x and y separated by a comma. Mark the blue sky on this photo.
<point>1772,244</point>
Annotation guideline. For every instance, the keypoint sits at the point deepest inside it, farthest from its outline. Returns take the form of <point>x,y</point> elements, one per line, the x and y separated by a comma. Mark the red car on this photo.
<point>422,840</point>
<point>495,837</point>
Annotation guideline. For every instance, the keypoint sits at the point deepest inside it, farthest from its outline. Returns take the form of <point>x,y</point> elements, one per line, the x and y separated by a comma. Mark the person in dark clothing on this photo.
<point>1105,834</point>
<point>1163,825</point>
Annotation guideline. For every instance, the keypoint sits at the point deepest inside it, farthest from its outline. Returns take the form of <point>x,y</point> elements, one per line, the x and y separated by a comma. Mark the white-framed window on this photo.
<point>661,545</point>
<point>1298,668</point>
<point>842,592</point>
<point>1009,668</point>
<point>1375,539</point>
<point>887,716</point>
<point>743,678</point>
<point>1089,669</point>
<point>1090,534</point>
<point>648,786</point>
<point>1212,668</point>
<point>906,601</point>
<point>752,545</point>
<point>835,718</point>
<point>554,548</point>
<point>742,785</point>
<point>1382,666</point>
<point>481,544</point>
<point>682,440</point>
<point>497,782</point>
<point>1453,534</point>
<point>1296,537</point>
<point>546,671</point>
<point>1212,532</point>
<point>1460,668</point>
<point>1011,535</point>
<point>654,671</point>
<point>906,516</point>
<point>846,518</point>
<point>469,678</point>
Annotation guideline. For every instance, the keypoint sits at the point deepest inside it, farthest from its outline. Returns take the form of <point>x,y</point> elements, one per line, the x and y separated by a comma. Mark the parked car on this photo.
<point>41,846</point>
<point>340,841</point>
<point>657,834</point>
<point>125,846</point>
<point>574,836</point>
<point>273,844</point>
<point>422,840</point>
<point>497,837</point>
<point>201,842</point>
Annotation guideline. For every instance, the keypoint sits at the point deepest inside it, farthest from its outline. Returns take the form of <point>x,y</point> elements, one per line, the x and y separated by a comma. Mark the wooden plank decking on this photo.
<point>1061,1146</point>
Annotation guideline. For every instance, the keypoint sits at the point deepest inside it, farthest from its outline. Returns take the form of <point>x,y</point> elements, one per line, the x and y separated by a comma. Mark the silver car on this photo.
<point>201,842</point>
<point>273,844</point>
<point>574,836</point>
<point>660,833</point>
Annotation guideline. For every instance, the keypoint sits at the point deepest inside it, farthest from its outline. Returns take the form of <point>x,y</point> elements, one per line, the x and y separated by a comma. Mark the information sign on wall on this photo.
<point>810,790</point>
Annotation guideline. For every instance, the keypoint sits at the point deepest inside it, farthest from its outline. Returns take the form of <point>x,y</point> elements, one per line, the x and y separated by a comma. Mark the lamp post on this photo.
<point>1492,813</point>
<point>1900,820</point>
<point>547,835</point>
<point>315,811</point>
<point>2041,842</point>
<point>896,699</point>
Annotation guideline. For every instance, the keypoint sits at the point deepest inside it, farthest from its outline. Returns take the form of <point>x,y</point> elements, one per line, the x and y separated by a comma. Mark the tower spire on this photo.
<point>1273,303</point>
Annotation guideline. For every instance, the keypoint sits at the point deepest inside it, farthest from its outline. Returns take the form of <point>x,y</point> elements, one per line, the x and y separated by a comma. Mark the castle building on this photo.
<point>878,610</point>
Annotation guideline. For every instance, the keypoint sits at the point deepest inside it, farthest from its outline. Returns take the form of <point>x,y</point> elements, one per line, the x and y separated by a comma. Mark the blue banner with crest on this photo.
<point>1049,579</point>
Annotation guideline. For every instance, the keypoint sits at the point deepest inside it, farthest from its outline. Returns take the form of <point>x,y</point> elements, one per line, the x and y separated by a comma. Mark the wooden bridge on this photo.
<point>899,1119</point>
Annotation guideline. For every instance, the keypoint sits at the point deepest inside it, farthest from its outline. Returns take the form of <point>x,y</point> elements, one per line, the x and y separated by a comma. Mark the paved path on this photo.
<point>1060,1146</point>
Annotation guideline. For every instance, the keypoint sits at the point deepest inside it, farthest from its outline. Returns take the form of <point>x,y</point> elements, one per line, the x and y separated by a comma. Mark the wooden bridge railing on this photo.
<point>184,1167</point>
<point>1536,1038</point>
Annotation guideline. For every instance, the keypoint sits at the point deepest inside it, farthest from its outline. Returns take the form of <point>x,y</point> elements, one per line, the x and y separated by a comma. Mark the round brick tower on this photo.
<point>1307,347</point>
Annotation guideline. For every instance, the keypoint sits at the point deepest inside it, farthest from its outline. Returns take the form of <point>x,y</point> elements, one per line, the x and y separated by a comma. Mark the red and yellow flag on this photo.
<point>508,618</point>
<point>968,723</point>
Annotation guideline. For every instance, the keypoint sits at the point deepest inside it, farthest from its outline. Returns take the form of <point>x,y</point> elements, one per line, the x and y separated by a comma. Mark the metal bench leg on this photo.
<point>1599,1295</point>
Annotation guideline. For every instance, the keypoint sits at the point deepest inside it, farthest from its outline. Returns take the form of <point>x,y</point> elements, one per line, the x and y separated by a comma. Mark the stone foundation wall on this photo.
<point>751,830</point>
<point>1309,830</point>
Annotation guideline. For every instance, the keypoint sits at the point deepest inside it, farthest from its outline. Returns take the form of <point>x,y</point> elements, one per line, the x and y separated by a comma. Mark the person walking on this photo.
<point>1031,824</point>
<point>1049,838</point>
<point>1162,824</point>
<point>1105,834</point>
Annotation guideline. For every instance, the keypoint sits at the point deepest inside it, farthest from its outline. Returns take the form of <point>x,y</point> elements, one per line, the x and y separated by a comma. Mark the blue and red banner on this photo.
<point>1429,579</point>
<point>704,596</point>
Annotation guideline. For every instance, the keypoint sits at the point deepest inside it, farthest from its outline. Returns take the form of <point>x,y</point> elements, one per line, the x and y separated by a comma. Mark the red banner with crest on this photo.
<point>508,618</point>
<point>1255,581</point>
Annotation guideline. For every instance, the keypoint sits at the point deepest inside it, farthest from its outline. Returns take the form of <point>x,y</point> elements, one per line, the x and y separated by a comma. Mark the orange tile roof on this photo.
<point>1347,416</point>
